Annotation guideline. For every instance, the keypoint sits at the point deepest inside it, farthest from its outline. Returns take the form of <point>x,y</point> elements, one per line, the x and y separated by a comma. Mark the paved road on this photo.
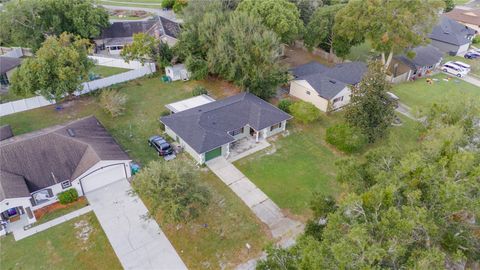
<point>138,243</point>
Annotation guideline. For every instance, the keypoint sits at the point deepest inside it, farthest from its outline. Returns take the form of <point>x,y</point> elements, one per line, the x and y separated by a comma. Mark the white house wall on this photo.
<point>267,133</point>
<point>301,88</point>
<point>346,93</point>
<point>18,202</point>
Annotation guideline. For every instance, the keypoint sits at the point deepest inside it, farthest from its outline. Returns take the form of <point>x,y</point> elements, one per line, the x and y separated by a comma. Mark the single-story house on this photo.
<point>469,18</point>
<point>118,34</point>
<point>177,72</point>
<point>8,65</point>
<point>426,60</point>
<point>328,88</point>
<point>451,37</point>
<point>39,165</point>
<point>208,131</point>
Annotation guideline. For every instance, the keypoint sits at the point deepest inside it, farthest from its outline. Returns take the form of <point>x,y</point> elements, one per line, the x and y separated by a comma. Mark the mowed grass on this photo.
<point>420,95</point>
<point>218,237</point>
<point>61,247</point>
<point>105,71</point>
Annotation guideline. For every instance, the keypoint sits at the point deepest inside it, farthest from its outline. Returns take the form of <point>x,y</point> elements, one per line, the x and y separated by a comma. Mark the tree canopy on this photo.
<point>172,188</point>
<point>233,45</point>
<point>280,16</point>
<point>28,23</point>
<point>390,26</point>
<point>56,71</point>
<point>145,47</point>
<point>370,108</point>
<point>417,209</point>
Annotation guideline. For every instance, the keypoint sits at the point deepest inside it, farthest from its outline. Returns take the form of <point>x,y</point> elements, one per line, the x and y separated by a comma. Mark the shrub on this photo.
<point>113,102</point>
<point>284,105</point>
<point>168,3</point>
<point>346,138</point>
<point>67,196</point>
<point>305,112</point>
<point>476,39</point>
<point>199,90</point>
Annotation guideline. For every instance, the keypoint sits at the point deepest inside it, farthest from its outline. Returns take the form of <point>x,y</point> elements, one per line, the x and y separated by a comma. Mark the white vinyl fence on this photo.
<point>36,102</point>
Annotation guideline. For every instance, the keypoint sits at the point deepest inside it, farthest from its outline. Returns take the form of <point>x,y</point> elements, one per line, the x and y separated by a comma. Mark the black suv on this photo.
<point>161,145</point>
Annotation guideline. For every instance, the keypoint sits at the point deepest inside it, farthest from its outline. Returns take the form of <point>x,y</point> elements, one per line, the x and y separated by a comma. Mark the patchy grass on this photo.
<point>420,95</point>
<point>10,96</point>
<point>76,244</point>
<point>297,56</point>
<point>105,71</point>
<point>56,210</point>
<point>474,64</point>
<point>230,224</point>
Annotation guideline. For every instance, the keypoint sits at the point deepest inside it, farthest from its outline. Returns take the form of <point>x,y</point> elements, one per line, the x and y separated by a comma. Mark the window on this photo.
<point>42,196</point>
<point>308,92</point>
<point>236,132</point>
<point>338,99</point>
<point>66,184</point>
<point>279,125</point>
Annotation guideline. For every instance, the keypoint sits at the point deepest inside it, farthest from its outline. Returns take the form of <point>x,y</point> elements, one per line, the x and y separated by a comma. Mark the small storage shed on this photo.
<point>177,72</point>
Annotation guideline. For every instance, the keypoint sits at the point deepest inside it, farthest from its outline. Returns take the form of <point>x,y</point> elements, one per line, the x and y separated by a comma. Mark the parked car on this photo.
<point>472,55</point>
<point>161,145</point>
<point>462,65</point>
<point>451,68</point>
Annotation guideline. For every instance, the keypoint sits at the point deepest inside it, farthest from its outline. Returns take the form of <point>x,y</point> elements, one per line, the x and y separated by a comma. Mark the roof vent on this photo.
<point>214,123</point>
<point>71,132</point>
<point>332,81</point>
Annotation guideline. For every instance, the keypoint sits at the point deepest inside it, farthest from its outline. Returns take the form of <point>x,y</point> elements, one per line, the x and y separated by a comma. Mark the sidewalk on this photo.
<point>20,234</point>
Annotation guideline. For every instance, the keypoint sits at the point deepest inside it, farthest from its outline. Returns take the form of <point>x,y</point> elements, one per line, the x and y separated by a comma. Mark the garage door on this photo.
<point>103,177</point>
<point>213,154</point>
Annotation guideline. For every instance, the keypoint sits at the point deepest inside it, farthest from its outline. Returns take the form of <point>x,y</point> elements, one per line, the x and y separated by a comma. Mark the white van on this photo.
<point>451,68</point>
<point>462,65</point>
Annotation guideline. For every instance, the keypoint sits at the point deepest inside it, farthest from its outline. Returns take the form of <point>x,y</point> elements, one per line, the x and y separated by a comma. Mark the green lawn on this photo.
<point>10,96</point>
<point>419,94</point>
<point>105,71</point>
<point>230,224</point>
<point>61,247</point>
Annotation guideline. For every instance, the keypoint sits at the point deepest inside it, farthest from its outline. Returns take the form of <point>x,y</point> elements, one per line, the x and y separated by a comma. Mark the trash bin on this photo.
<point>134,167</point>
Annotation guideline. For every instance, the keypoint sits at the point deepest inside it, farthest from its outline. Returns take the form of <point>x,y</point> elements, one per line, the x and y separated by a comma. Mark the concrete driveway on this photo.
<point>138,243</point>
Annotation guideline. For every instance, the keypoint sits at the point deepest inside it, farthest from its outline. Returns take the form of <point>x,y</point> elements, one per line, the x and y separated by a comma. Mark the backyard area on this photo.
<point>134,3</point>
<point>420,94</point>
<point>218,237</point>
<point>104,71</point>
<point>77,244</point>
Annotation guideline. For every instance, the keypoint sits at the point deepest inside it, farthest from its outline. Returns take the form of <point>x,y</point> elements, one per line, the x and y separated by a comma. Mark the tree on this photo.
<point>370,109</point>
<point>307,8</point>
<point>305,112</point>
<point>173,189</point>
<point>28,23</point>
<point>390,26</point>
<point>57,70</point>
<point>280,16</point>
<point>449,5</point>
<point>419,210</point>
<point>145,47</point>
<point>319,31</point>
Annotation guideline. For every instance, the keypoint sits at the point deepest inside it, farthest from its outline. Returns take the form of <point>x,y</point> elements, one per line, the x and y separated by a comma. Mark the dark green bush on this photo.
<point>476,39</point>
<point>67,196</point>
<point>284,105</point>
<point>168,3</point>
<point>199,90</point>
<point>346,138</point>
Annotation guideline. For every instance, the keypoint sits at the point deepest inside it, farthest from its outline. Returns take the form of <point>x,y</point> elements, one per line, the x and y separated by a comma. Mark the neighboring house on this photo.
<point>208,131</point>
<point>451,37</point>
<point>8,65</point>
<point>36,166</point>
<point>469,18</point>
<point>177,72</point>
<point>328,88</point>
<point>118,34</point>
<point>426,60</point>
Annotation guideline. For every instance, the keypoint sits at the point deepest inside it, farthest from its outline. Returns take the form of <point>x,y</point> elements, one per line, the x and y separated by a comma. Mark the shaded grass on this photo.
<point>420,95</point>
<point>105,71</point>
<point>60,248</point>
<point>230,224</point>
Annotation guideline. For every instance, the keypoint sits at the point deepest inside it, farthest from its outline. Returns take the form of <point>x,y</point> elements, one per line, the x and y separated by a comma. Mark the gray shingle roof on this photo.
<point>206,127</point>
<point>5,132</point>
<point>329,81</point>
<point>424,56</point>
<point>452,32</point>
<point>51,155</point>
<point>170,28</point>
<point>8,63</point>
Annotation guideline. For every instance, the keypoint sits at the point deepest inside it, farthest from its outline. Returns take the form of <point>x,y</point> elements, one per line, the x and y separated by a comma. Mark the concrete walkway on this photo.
<point>281,227</point>
<point>472,80</point>
<point>138,242</point>
<point>21,234</point>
